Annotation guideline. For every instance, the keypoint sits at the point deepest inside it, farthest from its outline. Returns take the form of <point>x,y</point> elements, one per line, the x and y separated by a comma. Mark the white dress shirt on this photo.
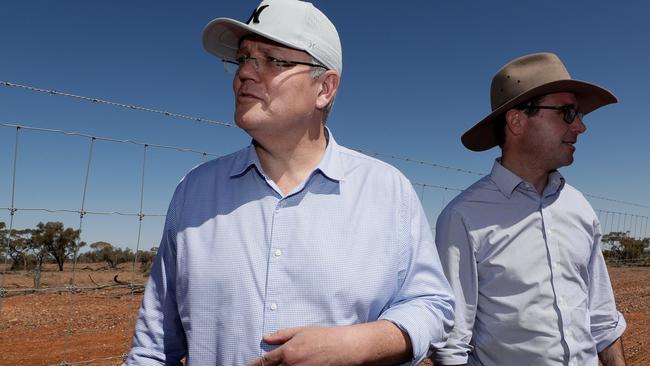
<point>528,274</point>
<point>239,260</point>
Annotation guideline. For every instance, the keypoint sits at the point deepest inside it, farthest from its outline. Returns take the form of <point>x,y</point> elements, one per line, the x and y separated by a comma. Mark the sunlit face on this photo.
<point>273,100</point>
<point>547,139</point>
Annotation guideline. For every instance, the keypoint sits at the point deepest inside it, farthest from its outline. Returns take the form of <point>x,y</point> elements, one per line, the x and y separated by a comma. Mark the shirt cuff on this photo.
<point>449,360</point>
<point>418,333</point>
<point>607,338</point>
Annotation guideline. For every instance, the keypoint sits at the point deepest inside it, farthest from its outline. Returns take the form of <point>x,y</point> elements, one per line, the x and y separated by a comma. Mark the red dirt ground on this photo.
<point>95,327</point>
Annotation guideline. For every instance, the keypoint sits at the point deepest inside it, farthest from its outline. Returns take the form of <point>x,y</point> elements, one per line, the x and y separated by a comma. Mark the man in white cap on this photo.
<point>294,250</point>
<point>520,247</point>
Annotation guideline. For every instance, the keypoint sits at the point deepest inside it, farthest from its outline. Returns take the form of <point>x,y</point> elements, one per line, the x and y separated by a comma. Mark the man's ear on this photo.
<point>329,84</point>
<point>515,121</point>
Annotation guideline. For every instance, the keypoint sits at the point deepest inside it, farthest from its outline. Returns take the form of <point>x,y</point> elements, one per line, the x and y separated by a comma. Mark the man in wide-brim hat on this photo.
<point>520,247</point>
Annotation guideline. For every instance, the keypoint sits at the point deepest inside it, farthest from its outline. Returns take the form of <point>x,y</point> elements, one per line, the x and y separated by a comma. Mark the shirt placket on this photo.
<point>561,300</point>
<point>273,304</point>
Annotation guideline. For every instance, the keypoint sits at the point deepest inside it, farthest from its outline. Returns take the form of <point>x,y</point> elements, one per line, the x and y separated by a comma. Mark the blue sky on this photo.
<point>416,76</point>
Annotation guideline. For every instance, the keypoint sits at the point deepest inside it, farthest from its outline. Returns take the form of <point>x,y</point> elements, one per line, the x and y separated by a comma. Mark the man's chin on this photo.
<point>249,113</point>
<point>248,122</point>
<point>244,116</point>
<point>567,161</point>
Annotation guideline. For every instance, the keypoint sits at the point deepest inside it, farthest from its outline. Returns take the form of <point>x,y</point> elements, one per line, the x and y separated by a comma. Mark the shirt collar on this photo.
<point>555,183</point>
<point>507,181</point>
<point>243,161</point>
<point>504,179</point>
<point>330,164</point>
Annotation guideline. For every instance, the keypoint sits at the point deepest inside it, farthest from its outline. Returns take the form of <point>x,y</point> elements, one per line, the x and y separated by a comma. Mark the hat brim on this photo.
<point>222,35</point>
<point>590,97</point>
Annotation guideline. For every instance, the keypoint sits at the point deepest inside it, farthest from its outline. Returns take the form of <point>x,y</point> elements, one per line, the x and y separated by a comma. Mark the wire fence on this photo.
<point>634,224</point>
<point>80,292</point>
<point>106,361</point>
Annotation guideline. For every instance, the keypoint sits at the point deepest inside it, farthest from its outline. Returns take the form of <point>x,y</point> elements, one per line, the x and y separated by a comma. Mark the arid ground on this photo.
<point>94,327</point>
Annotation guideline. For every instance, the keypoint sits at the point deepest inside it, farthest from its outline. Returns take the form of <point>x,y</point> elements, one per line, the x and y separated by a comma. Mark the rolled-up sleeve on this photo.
<point>607,323</point>
<point>423,306</point>
<point>159,338</point>
<point>459,264</point>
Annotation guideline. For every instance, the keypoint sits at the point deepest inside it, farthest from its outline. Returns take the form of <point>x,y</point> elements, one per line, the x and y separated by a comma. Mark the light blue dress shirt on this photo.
<point>529,277</point>
<point>238,260</point>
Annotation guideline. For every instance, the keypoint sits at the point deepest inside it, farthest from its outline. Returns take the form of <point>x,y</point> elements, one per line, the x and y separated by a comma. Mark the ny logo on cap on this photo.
<point>255,17</point>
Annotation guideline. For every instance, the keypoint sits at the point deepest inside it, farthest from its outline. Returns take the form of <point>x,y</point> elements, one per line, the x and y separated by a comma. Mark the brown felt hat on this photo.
<point>526,78</point>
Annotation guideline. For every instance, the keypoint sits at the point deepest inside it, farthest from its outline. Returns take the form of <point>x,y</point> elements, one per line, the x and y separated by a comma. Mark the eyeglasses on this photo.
<point>569,112</point>
<point>265,64</point>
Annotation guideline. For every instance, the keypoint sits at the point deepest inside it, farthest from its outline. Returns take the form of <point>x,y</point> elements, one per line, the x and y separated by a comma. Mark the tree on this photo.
<point>80,245</point>
<point>146,258</point>
<point>103,251</point>
<point>58,241</point>
<point>623,247</point>
<point>40,253</point>
<point>15,245</point>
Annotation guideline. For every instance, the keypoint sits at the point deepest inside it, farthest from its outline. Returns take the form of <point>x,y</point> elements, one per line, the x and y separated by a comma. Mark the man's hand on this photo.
<point>309,346</point>
<point>379,343</point>
<point>613,355</point>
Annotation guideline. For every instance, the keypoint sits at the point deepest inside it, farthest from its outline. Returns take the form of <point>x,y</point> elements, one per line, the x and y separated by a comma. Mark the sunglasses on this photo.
<point>569,112</point>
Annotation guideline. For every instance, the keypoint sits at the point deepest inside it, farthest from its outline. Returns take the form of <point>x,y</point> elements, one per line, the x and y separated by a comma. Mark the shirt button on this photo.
<point>277,252</point>
<point>273,306</point>
<point>283,203</point>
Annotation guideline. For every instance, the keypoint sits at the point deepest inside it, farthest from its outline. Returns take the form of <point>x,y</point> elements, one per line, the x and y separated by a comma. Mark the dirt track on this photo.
<point>88,327</point>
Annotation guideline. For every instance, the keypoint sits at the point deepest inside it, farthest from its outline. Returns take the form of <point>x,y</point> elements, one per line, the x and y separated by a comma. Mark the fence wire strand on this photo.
<point>137,246</point>
<point>105,213</point>
<point>12,211</point>
<point>107,139</point>
<point>96,361</point>
<point>615,221</point>
<point>115,104</point>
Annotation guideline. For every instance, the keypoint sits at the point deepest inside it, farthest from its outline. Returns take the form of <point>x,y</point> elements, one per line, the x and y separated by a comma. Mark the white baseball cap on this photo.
<point>293,23</point>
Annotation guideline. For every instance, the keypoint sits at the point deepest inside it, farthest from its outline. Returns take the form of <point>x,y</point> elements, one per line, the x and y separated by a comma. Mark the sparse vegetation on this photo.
<point>52,242</point>
<point>621,248</point>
